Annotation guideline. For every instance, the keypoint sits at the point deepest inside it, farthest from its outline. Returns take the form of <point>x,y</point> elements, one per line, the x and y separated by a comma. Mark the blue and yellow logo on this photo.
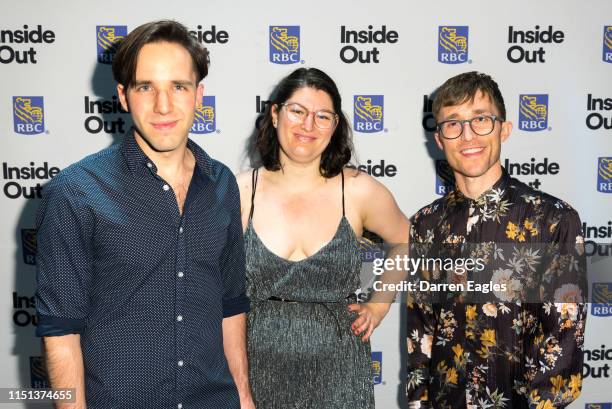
<point>533,112</point>
<point>38,373</point>
<point>445,179</point>
<point>284,44</point>
<point>604,175</point>
<point>28,115</point>
<point>28,246</point>
<point>205,120</point>
<point>607,44</point>
<point>453,44</point>
<point>368,113</point>
<point>106,40</point>
<point>601,295</point>
<point>607,405</point>
<point>377,367</point>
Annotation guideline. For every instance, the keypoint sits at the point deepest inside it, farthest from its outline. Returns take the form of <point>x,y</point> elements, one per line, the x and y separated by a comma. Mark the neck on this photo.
<point>297,176</point>
<point>473,187</point>
<point>170,165</point>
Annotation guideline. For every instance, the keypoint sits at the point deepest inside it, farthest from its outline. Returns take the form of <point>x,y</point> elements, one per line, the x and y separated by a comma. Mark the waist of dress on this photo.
<point>350,297</point>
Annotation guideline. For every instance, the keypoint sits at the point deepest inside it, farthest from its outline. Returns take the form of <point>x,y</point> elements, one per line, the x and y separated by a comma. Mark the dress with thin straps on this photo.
<point>302,352</point>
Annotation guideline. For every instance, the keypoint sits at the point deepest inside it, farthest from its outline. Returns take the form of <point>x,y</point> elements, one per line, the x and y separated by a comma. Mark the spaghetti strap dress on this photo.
<point>302,352</point>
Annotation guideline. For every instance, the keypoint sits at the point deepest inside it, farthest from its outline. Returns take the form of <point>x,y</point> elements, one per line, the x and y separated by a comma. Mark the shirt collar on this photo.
<point>139,162</point>
<point>489,197</point>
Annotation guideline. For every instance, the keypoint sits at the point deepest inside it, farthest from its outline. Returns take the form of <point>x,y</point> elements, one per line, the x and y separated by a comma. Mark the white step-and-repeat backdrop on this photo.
<point>552,60</point>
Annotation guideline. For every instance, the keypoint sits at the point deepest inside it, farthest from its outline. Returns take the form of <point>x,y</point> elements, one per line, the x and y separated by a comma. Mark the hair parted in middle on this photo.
<point>340,149</point>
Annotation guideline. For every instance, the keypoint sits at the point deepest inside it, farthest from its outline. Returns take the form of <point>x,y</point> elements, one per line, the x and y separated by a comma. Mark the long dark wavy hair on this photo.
<point>340,149</point>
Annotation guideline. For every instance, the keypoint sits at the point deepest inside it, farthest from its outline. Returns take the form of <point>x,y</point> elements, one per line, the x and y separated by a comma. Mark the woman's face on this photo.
<point>301,136</point>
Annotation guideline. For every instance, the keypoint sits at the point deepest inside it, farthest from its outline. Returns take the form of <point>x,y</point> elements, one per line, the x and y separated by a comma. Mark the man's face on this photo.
<point>164,96</point>
<point>472,155</point>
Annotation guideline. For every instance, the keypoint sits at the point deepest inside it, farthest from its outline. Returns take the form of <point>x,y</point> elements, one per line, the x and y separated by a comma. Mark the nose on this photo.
<point>308,123</point>
<point>467,134</point>
<point>163,103</point>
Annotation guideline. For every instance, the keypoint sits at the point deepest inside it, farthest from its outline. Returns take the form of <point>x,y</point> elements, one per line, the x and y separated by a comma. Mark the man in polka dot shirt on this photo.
<point>141,293</point>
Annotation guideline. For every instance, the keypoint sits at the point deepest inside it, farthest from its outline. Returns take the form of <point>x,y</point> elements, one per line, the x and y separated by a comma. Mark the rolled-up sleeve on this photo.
<point>64,266</point>
<point>235,300</point>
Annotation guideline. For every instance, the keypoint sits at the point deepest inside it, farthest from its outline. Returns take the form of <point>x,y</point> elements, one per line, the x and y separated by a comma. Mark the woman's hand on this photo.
<point>370,316</point>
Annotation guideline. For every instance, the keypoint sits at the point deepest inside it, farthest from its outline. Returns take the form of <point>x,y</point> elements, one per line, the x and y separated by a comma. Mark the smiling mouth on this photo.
<point>162,126</point>
<point>304,138</point>
<point>472,151</point>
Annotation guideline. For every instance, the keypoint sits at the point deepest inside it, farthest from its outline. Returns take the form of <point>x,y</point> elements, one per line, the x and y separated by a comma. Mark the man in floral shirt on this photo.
<point>520,347</point>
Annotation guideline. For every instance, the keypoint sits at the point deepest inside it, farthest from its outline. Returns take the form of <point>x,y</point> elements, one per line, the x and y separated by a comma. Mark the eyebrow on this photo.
<point>185,83</point>
<point>331,111</point>
<point>474,112</point>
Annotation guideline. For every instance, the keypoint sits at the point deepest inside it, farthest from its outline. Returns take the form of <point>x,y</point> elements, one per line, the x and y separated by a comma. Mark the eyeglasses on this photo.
<point>323,119</point>
<point>481,125</point>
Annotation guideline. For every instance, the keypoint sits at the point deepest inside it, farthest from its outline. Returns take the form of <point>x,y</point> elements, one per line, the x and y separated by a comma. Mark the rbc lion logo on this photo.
<point>533,112</point>
<point>368,113</point>
<point>377,367</point>
<point>604,175</point>
<point>453,44</point>
<point>106,40</point>
<point>205,120</point>
<point>38,373</point>
<point>607,44</point>
<point>445,179</point>
<point>28,115</point>
<point>28,246</point>
<point>284,44</point>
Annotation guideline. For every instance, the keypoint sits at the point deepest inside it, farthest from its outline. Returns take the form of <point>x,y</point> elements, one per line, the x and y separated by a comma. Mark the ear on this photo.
<point>199,94</point>
<point>274,113</point>
<point>122,93</point>
<point>505,130</point>
<point>438,140</point>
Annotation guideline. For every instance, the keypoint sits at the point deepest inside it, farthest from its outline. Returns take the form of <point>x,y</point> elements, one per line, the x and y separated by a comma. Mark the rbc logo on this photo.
<point>533,112</point>
<point>368,113</point>
<point>445,180</point>
<point>607,44</point>
<point>377,367</point>
<point>38,373</point>
<point>28,115</point>
<point>602,300</point>
<point>284,44</point>
<point>28,245</point>
<point>604,175</point>
<point>598,406</point>
<point>205,120</point>
<point>453,44</point>
<point>106,39</point>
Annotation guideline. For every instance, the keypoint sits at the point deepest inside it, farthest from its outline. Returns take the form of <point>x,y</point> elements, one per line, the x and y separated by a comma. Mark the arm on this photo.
<point>235,301</point>
<point>234,345</point>
<point>384,218</point>
<point>64,362</point>
<point>555,362</point>
<point>63,274</point>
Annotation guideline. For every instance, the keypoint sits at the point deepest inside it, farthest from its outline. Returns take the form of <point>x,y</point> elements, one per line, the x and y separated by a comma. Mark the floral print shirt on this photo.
<point>502,353</point>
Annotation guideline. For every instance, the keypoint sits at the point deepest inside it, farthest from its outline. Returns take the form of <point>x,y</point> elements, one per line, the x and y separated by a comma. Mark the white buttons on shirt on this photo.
<point>179,406</point>
<point>179,318</point>
<point>166,187</point>
<point>180,229</point>
<point>180,274</point>
<point>149,165</point>
<point>180,363</point>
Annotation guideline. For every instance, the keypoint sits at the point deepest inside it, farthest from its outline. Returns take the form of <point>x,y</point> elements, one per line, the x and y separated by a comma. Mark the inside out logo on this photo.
<point>205,120</point>
<point>533,112</point>
<point>368,114</point>
<point>453,44</point>
<point>518,53</point>
<point>284,44</point>
<point>26,35</point>
<point>28,115</point>
<point>107,38</point>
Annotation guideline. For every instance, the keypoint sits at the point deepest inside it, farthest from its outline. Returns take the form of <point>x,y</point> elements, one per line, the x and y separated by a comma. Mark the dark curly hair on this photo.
<point>340,149</point>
